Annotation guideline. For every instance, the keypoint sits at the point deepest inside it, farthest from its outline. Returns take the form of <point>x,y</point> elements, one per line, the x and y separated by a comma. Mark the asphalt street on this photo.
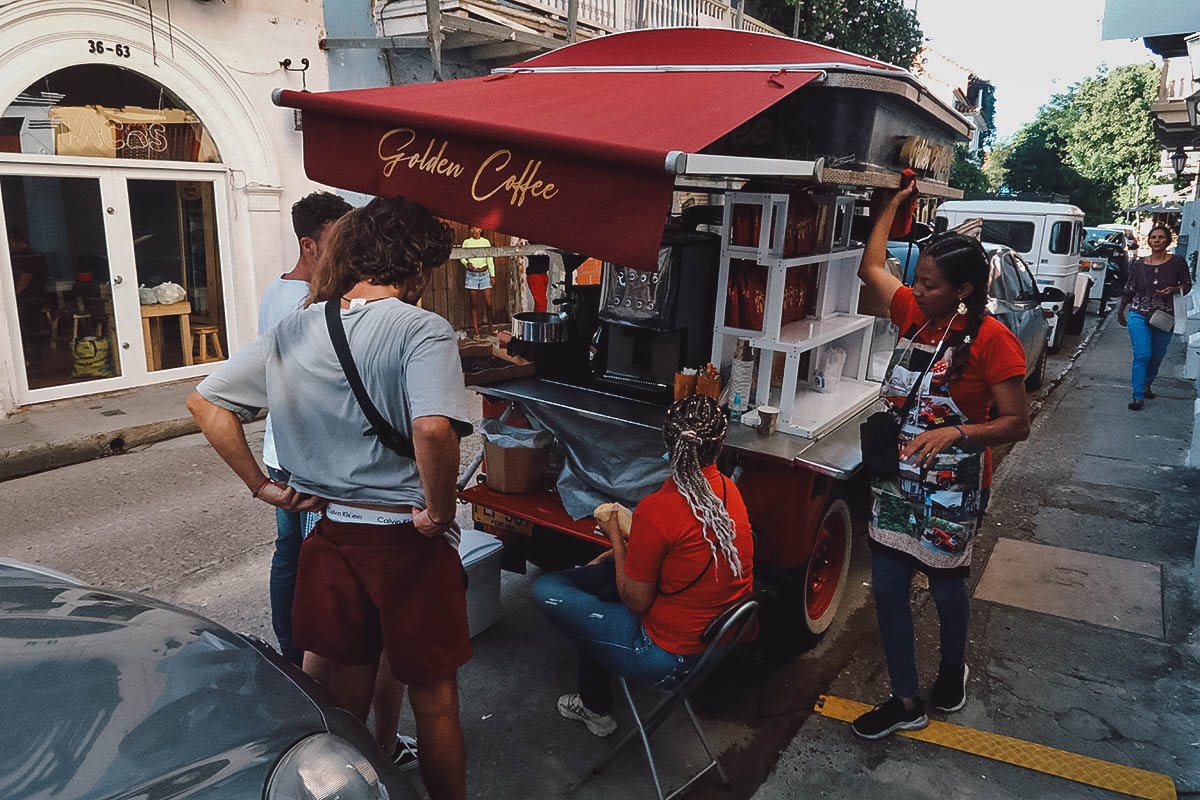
<point>171,521</point>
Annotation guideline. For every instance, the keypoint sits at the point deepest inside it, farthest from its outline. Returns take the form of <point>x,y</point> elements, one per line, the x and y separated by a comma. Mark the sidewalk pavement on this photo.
<point>1085,635</point>
<point>52,435</point>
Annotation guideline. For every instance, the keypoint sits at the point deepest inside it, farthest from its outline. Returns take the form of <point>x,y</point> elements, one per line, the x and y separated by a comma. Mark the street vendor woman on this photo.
<point>690,555</point>
<point>954,361</point>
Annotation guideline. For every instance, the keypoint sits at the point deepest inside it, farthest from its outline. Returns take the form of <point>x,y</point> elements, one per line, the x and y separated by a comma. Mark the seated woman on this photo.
<point>689,556</point>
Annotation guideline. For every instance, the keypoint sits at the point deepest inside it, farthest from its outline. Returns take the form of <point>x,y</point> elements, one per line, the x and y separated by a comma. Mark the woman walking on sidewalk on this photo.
<point>1150,287</point>
<point>951,364</point>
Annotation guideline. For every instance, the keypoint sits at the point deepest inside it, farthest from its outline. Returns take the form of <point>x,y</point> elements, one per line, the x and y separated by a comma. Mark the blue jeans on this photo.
<point>609,636</point>
<point>284,565</point>
<point>1149,347</point>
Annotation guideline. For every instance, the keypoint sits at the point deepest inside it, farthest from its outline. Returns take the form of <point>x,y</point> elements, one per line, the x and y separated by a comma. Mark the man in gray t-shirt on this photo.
<point>378,575</point>
<point>312,217</point>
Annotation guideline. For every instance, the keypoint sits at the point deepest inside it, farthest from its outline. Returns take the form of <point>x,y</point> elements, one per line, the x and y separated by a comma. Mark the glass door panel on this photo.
<point>178,267</point>
<point>59,258</point>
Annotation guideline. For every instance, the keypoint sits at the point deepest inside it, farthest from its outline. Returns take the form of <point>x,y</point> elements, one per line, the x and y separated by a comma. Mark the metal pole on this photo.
<point>572,19</point>
<point>741,12</point>
<point>433,12</point>
<point>796,22</point>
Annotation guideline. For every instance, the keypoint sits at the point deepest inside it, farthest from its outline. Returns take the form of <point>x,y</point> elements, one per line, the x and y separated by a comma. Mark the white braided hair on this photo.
<point>693,431</point>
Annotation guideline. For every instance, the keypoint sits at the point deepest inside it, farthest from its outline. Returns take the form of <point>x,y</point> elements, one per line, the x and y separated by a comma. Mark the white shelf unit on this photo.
<point>803,410</point>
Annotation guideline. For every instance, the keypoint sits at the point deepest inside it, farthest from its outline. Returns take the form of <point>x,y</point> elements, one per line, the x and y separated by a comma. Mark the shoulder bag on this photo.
<point>380,428</point>
<point>1158,319</point>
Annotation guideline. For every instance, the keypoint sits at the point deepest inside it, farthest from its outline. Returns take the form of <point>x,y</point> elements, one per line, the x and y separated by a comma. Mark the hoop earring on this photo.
<point>962,308</point>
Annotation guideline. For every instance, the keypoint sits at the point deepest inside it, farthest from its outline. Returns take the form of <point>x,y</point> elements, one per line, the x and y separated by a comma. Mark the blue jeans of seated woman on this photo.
<point>1149,348</point>
<point>609,636</point>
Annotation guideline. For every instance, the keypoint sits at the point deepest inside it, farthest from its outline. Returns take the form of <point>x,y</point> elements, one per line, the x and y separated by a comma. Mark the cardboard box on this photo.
<point>514,470</point>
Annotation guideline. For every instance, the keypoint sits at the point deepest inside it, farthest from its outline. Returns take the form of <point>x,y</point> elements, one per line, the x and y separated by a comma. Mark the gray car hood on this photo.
<point>107,695</point>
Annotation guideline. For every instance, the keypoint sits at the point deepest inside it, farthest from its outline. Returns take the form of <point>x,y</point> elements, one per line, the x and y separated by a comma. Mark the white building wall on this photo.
<point>220,58</point>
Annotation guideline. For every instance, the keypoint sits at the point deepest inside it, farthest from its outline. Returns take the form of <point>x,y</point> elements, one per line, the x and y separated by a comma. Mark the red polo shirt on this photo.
<point>667,547</point>
<point>996,355</point>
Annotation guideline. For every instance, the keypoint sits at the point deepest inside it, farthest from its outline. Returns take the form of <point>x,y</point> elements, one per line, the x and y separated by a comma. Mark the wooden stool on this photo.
<point>201,335</point>
<point>75,320</point>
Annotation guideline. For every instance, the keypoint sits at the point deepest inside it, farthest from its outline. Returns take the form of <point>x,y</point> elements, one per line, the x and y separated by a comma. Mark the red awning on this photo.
<point>569,148</point>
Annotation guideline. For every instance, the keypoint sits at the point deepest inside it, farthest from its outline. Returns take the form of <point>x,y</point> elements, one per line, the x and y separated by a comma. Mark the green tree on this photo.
<point>966,173</point>
<point>1109,135</point>
<point>1085,143</point>
<point>879,29</point>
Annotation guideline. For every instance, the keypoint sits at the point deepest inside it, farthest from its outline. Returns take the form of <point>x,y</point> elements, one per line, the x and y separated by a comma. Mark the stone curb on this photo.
<point>23,461</point>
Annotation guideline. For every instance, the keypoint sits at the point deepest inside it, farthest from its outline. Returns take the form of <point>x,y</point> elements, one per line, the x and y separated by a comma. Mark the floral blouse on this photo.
<point>1144,281</point>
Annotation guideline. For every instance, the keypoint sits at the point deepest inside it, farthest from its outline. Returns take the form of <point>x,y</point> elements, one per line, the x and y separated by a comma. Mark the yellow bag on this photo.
<point>93,359</point>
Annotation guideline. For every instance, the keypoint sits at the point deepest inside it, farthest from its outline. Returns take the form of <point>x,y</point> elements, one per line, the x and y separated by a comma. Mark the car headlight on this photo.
<point>324,767</point>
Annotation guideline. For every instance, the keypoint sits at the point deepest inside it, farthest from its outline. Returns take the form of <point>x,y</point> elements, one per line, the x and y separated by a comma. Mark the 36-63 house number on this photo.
<point>98,47</point>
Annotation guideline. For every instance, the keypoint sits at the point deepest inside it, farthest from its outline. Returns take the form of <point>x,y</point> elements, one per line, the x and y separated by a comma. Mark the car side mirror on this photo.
<point>1053,294</point>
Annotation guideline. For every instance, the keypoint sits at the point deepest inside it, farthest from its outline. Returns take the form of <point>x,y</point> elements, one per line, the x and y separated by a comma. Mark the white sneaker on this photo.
<point>571,706</point>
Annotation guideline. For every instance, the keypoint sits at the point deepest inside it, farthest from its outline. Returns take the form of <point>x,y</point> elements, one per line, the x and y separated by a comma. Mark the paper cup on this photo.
<point>768,417</point>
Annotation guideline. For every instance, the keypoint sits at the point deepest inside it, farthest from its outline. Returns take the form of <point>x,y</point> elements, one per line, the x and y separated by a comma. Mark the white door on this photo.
<point>82,238</point>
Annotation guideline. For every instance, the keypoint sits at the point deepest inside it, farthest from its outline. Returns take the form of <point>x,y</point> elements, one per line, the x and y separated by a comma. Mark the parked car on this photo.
<point>1047,236</point>
<point>114,695</point>
<point>1131,240</point>
<point>1016,300</point>
<point>1106,253</point>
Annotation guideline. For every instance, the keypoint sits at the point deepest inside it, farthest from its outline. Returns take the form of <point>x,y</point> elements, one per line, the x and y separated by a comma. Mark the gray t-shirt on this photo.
<point>409,362</point>
<point>281,297</point>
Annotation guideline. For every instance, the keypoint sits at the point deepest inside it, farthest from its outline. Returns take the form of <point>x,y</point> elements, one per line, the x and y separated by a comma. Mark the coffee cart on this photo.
<point>598,142</point>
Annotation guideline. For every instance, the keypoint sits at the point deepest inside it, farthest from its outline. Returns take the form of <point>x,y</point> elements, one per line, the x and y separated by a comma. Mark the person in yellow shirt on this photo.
<point>480,272</point>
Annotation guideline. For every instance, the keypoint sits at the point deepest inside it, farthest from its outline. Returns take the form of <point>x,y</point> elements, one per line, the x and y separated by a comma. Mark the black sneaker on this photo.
<point>949,691</point>
<point>1149,395</point>
<point>890,717</point>
<point>405,754</point>
<point>1136,405</point>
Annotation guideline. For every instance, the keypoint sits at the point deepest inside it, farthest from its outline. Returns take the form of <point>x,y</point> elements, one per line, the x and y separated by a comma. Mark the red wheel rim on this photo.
<point>825,567</point>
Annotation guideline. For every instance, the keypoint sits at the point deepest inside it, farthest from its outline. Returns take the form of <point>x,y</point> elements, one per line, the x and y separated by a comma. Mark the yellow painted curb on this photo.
<point>1072,766</point>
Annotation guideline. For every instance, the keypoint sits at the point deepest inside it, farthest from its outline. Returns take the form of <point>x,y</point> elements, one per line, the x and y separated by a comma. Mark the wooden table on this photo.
<point>152,332</point>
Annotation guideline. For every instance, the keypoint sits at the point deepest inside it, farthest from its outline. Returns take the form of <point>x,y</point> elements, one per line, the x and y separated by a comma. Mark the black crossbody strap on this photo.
<point>902,414</point>
<point>380,428</point>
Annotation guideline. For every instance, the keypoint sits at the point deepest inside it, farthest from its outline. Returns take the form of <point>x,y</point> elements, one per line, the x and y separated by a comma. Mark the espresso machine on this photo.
<point>652,324</point>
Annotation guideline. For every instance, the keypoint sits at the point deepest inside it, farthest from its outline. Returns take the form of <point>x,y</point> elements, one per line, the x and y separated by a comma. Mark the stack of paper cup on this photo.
<point>741,374</point>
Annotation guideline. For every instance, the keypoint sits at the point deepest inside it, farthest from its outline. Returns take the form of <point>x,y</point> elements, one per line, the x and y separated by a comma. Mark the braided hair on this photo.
<point>693,432</point>
<point>962,260</point>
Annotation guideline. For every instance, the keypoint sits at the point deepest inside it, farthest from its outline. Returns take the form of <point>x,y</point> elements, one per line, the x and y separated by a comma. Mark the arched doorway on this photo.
<point>102,252</point>
<point>123,167</point>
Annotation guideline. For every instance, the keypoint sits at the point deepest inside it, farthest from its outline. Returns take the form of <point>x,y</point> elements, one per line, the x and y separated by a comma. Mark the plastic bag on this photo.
<point>828,373</point>
<point>503,435</point>
<point>168,293</point>
<point>147,296</point>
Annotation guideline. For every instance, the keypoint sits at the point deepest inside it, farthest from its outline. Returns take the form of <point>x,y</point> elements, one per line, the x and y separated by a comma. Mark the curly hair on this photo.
<point>694,430</point>
<point>390,241</point>
<point>962,260</point>
<point>314,211</point>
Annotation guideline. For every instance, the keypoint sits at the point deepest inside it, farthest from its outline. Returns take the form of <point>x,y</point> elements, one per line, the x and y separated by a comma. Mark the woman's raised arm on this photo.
<point>872,270</point>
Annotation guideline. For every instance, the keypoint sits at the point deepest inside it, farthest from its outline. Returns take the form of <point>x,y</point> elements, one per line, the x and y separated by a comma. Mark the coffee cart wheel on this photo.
<point>827,568</point>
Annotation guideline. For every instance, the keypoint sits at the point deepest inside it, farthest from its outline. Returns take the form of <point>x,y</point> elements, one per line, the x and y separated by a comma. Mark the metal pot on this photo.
<point>539,326</point>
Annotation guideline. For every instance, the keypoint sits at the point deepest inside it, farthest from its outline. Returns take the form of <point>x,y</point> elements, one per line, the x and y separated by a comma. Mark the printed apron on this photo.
<point>931,514</point>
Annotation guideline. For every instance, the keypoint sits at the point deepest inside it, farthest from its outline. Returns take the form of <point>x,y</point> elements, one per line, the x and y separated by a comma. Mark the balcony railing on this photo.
<point>406,17</point>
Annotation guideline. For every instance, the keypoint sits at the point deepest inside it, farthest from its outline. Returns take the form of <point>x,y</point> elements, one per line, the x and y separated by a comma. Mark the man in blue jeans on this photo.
<point>312,216</point>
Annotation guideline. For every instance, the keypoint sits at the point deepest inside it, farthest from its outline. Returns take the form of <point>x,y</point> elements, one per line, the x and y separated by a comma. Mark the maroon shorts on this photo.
<point>363,589</point>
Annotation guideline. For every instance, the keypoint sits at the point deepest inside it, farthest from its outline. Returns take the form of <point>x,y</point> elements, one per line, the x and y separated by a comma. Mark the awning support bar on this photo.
<point>700,164</point>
